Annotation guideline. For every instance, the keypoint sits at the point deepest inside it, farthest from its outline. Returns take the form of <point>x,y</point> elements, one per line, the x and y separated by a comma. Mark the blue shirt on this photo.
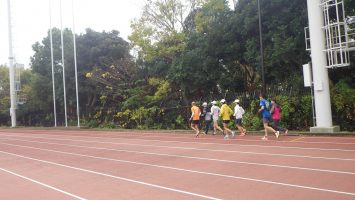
<point>266,111</point>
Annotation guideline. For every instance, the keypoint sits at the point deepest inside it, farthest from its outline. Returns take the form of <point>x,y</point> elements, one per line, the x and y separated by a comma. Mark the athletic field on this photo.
<point>79,164</point>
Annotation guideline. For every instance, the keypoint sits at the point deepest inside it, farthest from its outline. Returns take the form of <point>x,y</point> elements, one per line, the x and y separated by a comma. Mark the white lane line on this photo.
<point>171,135</point>
<point>152,135</point>
<point>191,171</point>
<point>176,156</point>
<point>43,184</point>
<point>194,143</point>
<point>114,177</point>
<point>200,149</point>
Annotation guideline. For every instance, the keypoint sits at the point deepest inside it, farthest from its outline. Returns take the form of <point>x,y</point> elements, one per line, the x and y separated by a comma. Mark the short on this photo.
<point>226,121</point>
<point>266,120</point>
<point>238,121</point>
<point>195,122</point>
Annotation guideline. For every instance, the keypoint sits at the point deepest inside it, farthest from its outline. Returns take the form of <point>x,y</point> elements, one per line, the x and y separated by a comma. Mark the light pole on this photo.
<point>52,62</point>
<point>261,52</point>
<point>11,71</point>
<point>76,68</point>
<point>62,42</point>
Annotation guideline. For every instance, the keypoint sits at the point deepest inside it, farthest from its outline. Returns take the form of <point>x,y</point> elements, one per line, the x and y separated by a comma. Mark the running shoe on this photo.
<point>286,132</point>
<point>264,138</point>
<point>277,134</point>
<point>226,137</point>
<point>233,134</point>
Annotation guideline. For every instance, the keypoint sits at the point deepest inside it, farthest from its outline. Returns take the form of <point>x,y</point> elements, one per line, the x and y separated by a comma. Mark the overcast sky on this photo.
<point>30,19</point>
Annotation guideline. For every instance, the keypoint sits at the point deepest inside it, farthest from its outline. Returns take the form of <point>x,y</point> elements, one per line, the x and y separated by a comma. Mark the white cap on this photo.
<point>236,101</point>
<point>204,104</point>
<point>223,101</point>
<point>214,102</point>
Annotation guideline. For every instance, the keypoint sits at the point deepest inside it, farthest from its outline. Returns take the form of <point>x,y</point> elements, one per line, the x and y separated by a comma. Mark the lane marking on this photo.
<point>194,194</point>
<point>297,139</point>
<point>42,184</point>
<point>146,134</point>
<point>172,155</point>
<point>112,176</point>
<point>181,142</point>
<point>202,149</point>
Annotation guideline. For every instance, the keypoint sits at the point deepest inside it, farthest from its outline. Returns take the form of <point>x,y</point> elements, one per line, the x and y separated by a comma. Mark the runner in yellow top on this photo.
<point>226,113</point>
<point>195,117</point>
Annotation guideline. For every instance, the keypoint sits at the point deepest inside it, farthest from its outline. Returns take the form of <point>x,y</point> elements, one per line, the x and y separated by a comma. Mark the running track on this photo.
<point>57,164</point>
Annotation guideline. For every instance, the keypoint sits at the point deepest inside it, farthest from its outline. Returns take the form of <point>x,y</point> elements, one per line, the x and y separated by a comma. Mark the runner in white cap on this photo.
<point>238,114</point>
<point>215,115</point>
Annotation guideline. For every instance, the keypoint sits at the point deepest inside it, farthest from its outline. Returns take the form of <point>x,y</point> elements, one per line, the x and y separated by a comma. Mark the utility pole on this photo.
<point>319,70</point>
<point>62,43</point>
<point>261,51</point>
<point>13,96</point>
<point>76,69</point>
<point>52,62</point>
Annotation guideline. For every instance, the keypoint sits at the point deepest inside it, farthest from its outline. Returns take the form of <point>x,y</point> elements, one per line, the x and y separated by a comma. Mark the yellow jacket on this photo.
<point>226,112</point>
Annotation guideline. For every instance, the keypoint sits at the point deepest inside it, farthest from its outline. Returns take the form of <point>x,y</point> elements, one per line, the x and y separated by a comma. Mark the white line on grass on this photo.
<point>186,170</point>
<point>43,184</point>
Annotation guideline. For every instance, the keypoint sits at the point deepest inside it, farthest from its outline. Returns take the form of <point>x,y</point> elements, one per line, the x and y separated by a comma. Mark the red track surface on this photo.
<point>57,164</point>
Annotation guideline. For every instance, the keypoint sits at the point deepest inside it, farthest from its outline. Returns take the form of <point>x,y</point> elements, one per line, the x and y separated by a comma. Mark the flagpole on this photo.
<point>11,71</point>
<point>52,62</point>
<point>62,42</point>
<point>76,68</point>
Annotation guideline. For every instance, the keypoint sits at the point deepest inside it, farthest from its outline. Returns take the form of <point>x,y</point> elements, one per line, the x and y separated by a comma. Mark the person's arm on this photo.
<point>230,111</point>
<point>272,108</point>
<point>235,111</point>
<point>192,114</point>
<point>221,111</point>
<point>261,107</point>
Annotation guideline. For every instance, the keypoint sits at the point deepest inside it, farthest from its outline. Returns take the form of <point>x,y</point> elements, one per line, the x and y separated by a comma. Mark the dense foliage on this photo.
<point>199,50</point>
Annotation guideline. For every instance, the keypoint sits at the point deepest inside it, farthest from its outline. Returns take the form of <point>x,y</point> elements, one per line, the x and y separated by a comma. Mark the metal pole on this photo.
<point>62,42</point>
<point>319,62</point>
<point>76,68</point>
<point>52,62</point>
<point>313,111</point>
<point>261,51</point>
<point>11,71</point>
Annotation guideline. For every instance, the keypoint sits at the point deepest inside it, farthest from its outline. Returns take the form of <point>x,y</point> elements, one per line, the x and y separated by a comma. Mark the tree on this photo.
<point>96,54</point>
<point>4,95</point>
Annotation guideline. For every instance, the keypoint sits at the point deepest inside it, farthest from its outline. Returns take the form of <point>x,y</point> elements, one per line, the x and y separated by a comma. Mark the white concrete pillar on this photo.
<point>320,72</point>
<point>13,96</point>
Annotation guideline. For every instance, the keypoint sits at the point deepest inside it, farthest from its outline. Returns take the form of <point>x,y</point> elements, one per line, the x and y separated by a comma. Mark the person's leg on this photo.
<point>277,127</point>
<point>225,127</point>
<point>225,130</point>
<point>268,128</point>
<point>214,127</point>
<point>193,126</point>
<point>197,130</point>
<point>241,130</point>
<point>276,124</point>
<point>265,129</point>
<point>207,127</point>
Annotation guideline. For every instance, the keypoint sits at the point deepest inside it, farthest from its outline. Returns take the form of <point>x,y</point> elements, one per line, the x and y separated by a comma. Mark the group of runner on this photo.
<point>212,114</point>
